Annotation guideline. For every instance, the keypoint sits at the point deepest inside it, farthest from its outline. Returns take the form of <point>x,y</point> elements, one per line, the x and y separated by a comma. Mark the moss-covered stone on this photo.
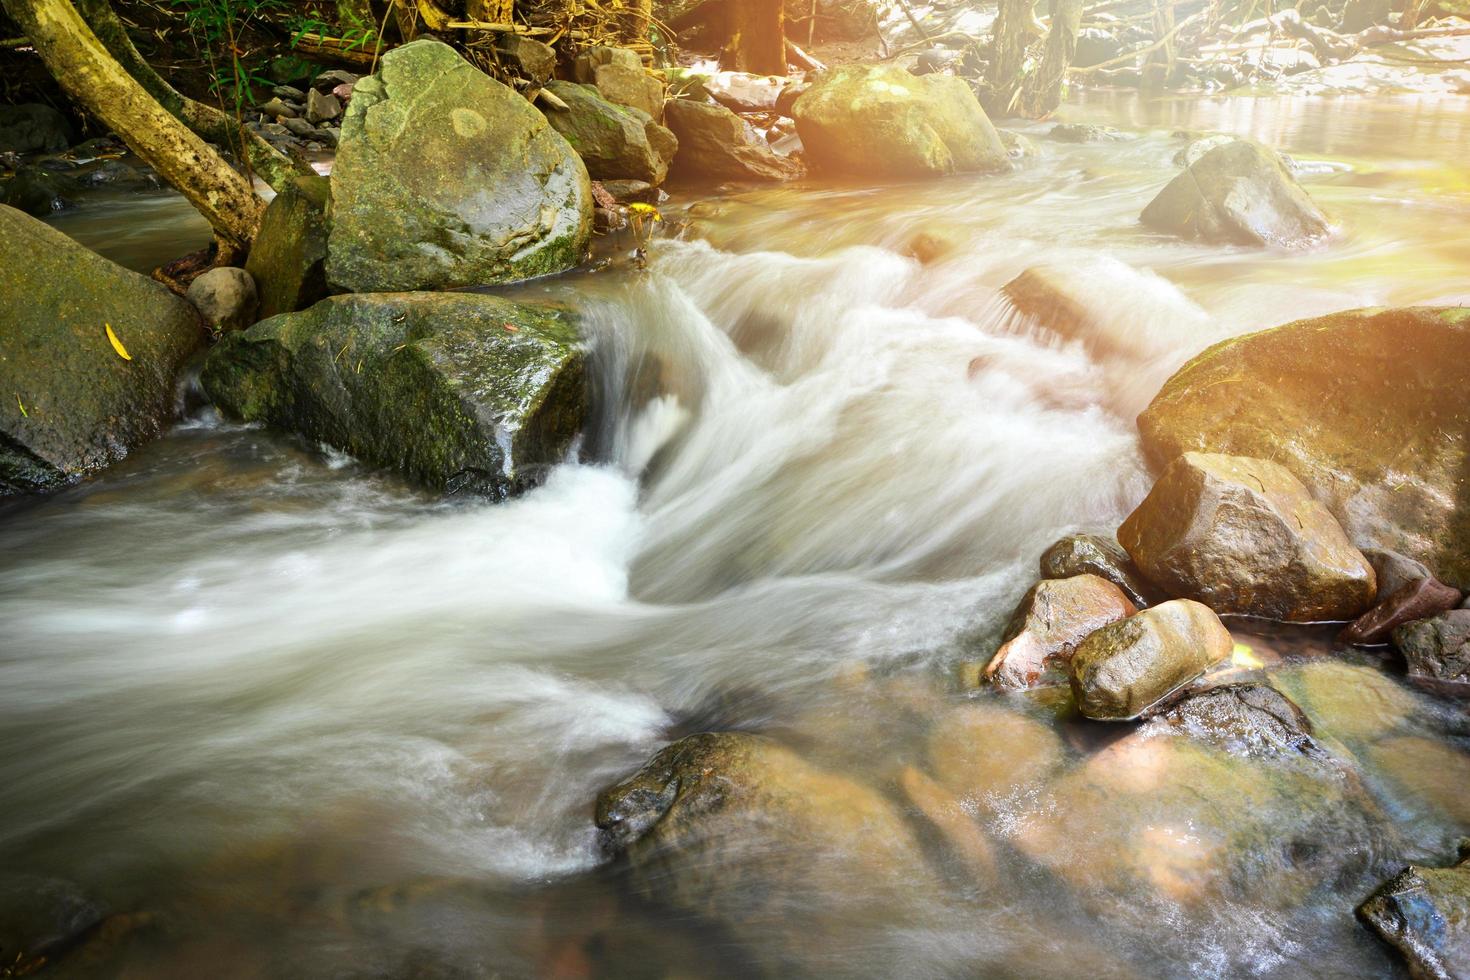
<point>1051,619</point>
<point>614,141</point>
<point>881,121</point>
<point>445,177</point>
<point>1124,668</point>
<point>1366,407</point>
<point>459,391</point>
<point>69,403</point>
<point>289,256</point>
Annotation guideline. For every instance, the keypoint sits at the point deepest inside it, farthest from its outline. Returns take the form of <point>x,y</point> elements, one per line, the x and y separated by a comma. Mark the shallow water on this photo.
<point>285,716</point>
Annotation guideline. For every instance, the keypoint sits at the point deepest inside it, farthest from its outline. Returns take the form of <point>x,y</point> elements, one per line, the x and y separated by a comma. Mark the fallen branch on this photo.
<point>1130,55</point>
<point>333,49</point>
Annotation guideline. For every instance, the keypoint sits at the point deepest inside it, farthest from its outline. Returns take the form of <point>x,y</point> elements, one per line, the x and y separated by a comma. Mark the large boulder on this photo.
<point>791,860</point>
<point>881,121</point>
<point>1243,536</point>
<point>1424,913</point>
<point>460,391</point>
<point>34,128</point>
<point>716,143</point>
<point>1125,668</point>
<point>1367,408</point>
<point>288,259</point>
<point>1437,648</point>
<point>1238,193</point>
<point>1052,618</point>
<point>73,404</point>
<point>445,177</point>
<point>614,141</point>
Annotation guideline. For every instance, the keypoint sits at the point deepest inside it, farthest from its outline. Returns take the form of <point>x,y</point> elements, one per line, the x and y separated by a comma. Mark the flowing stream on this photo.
<point>279,715</point>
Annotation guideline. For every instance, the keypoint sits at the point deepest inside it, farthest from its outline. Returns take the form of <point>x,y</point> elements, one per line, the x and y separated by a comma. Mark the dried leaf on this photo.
<point>117,344</point>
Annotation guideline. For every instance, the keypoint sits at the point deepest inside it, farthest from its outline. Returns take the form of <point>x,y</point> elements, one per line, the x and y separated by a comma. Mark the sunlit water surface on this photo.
<point>284,716</point>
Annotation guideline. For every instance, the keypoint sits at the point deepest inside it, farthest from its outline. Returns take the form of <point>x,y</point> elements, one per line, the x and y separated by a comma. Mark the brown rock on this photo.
<point>1437,648</point>
<point>1051,619</point>
<point>985,753</point>
<point>1090,554</point>
<point>714,142</point>
<point>1417,600</point>
<point>1243,536</point>
<point>1123,669</point>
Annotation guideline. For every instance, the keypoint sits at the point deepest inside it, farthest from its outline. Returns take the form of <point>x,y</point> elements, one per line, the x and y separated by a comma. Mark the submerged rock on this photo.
<point>1085,133</point>
<point>716,143</point>
<point>226,298</point>
<point>1122,670</point>
<point>1424,913</point>
<point>1367,408</point>
<point>1238,193</point>
<point>37,192</point>
<point>445,177</point>
<point>1417,600</point>
<point>1243,536</point>
<point>289,256</point>
<point>739,830</point>
<point>1348,701</point>
<point>460,391</point>
<point>72,404</point>
<point>1051,619</point>
<point>881,121</point>
<point>986,753</point>
<point>613,141</point>
<point>1091,554</point>
<point>1437,648</point>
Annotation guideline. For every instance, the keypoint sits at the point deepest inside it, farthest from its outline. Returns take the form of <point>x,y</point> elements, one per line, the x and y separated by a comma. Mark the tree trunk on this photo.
<point>1014,22</point>
<point>1042,92</point>
<point>94,79</point>
<point>757,36</point>
<point>209,123</point>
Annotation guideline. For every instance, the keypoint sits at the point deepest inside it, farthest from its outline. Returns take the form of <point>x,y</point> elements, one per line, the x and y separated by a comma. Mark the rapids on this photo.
<point>300,719</point>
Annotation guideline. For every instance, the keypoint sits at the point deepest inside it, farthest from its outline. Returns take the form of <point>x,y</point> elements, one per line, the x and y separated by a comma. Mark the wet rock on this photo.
<point>880,121</point>
<point>1085,133</point>
<point>953,823</point>
<point>1425,771</point>
<point>614,141</point>
<point>1238,193</point>
<point>1347,701</point>
<point>445,177</point>
<point>986,753</point>
<point>1393,570</point>
<point>735,828</point>
<point>1243,719</point>
<point>226,298</point>
<point>1416,600</point>
<point>930,247</point>
<point>34,128</point>
<point>1051,619</point>
<point>633,191</point>
<point>716,143</point>
<point>321,108</point>
<point>459,391</point>
<point>288,259</point>
<point>1365,407</point>
<point>1424,913</point>
<point>1198,147</point>
<point>1017,146</point>
<point>1123,669</point>
<point>1090,554</point>
<point>117,175</point>
<point>786,101</point>
<point>75,405</point>
<point>37,192</point>
<point>1438,647</point>
<point>1159,823</point>
<point>1243,536</point>
<point>531,58</point>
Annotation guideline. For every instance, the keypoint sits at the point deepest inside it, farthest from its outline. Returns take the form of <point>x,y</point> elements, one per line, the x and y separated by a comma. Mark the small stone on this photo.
<point>322,108</point>
<point>531,58</point>
<point>278,110</point>
<point>329,80</point>
<point>1424,913</point>
<point>1051,619</point>
<point>632,191</point>
<point>1417,600</point>
<point>1085,133</point>
<point>1438,647</point>
<point>344,91</point>
<point>1091,554</point>
<point>288,93</point>
<point>226,298</point>
<point>298,127</point>
<point>1123,669</point>
<point>1243,536</point>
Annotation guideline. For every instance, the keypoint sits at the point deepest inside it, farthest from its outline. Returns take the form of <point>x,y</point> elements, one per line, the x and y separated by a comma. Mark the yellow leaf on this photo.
<point>117,344</point>
<point>23,412</point>
<point>1242,656</point>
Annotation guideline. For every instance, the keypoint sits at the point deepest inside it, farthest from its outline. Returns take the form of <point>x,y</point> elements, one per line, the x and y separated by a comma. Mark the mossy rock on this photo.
<point>289,255</point>
<point>69,403</point>
<point>1366,407</point>
<point>614,141</point>
<point>445,177</point>
<point>459,391</point>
